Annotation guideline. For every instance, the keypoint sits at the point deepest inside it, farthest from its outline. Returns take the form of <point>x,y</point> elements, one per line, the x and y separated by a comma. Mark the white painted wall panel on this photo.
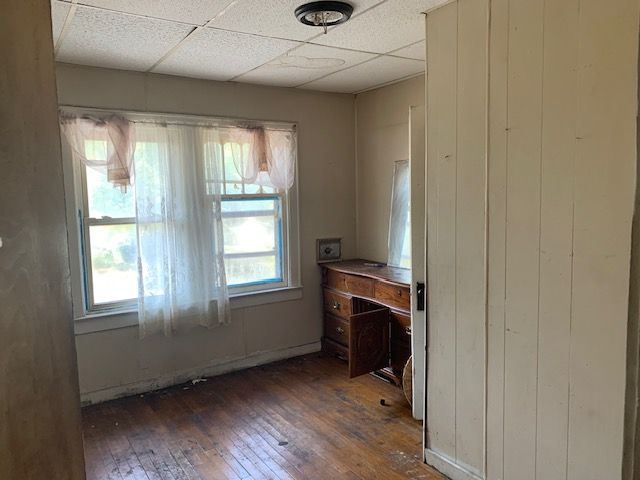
<point>496,245</point>
<point>560,180</point>
<point>471,99</point>
<point>604,187</point>
<point>560,52</point>
<point>524,110</point>
<point>441,230</point>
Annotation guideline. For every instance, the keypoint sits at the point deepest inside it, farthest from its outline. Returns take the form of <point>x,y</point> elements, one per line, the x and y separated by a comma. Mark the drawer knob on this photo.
<point>340,330</point>
<point>336,305</point>
<point>399,292</point>
<point>407,330</point>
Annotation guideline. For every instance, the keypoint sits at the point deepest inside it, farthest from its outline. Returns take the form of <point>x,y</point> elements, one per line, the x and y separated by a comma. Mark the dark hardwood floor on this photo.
<point>296,419</point>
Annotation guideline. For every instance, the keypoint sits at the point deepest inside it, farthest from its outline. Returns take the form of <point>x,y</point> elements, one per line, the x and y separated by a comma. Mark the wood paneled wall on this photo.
<point>40,432</point>
<point>531,158</point>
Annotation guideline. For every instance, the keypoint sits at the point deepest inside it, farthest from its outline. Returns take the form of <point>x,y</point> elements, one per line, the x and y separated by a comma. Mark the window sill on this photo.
<point>98,322</point>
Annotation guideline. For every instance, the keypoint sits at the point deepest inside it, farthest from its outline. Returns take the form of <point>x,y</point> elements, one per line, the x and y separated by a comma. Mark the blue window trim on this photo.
<point>83,252</point>
<point>279,244</point>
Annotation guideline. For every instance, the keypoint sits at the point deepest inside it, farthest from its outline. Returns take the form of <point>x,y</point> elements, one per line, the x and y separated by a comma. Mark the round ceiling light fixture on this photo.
<point>324,14</point>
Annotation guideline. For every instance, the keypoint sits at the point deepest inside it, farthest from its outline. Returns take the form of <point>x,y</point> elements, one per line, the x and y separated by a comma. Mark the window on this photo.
<point>108,238</point>
<point>253,221</point>
<point>255,226</point>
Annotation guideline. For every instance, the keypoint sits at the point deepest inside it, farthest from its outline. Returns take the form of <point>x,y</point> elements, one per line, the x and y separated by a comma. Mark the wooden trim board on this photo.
<point>448,467</point>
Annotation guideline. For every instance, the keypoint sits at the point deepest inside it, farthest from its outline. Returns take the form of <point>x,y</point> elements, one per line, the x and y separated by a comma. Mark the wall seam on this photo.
<point>573,226</point>
<point>486,238</point>
<point>455,255</point>
<point>506,246</point>
<point>541,172</point>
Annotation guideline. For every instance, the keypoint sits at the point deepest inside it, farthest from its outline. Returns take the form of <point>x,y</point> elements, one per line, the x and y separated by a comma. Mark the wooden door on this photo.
<point>417,135</point>
<point>368,342</point>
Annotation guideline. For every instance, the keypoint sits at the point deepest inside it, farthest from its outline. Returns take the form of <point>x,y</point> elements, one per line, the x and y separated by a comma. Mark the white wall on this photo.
<point>382,119</point>
<point>531,169</point>
<point>116,361</point>
<point>456,129</point>
<point>40,433</point>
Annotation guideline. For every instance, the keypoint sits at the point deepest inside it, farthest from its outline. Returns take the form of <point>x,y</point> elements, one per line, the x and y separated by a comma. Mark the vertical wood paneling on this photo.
<point>40,425</point>
<point>556,225</point>
<point>561,158</point>
<point>441,192</point>
<point>496,247</point>
<point>523,239</point>
<point>470,233</point>
<point>604,185</point>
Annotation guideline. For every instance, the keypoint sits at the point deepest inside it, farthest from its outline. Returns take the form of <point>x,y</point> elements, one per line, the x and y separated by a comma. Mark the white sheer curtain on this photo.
<point>180,245</point>
<point>261,156</point>
<point>118,135</point>
<point>179,175</point>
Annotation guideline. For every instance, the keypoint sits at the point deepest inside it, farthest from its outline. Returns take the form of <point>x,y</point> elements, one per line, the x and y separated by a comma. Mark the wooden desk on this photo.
<point>367,316</point>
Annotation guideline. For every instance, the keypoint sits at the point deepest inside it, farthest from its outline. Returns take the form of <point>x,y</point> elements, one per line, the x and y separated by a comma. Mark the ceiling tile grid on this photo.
<point>221,55</point>
<point>252,41</point>
<point>195,12</point>
<point>304,64</point>
<point>379,71</point>
<point>59,12</point>
<point>417,51</point>
<point>389,26</point>
<point>114,40</point>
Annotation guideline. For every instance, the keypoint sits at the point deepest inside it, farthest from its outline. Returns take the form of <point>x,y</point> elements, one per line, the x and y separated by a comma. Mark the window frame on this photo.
<point>86,222</point>
<point>84,307</point>
<point>281,242</point>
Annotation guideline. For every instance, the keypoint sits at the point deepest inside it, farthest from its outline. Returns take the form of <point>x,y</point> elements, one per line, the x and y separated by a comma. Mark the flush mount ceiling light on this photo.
<point>324,14</point>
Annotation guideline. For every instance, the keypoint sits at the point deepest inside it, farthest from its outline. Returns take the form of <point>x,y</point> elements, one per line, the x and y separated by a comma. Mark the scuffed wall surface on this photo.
<point>531,172</point>
<point>326,177</point>
<point>40,434</point>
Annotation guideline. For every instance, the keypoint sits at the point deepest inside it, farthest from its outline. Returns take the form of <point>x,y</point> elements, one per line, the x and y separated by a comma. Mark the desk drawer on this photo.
<point>393,295</point>
<point>337,329</point>
<point>332,348</point>
<point>353,284</point>
<point>337,304</point>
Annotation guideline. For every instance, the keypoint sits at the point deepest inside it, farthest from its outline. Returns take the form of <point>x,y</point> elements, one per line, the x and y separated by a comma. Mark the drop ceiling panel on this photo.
<point>389,26</point>
<point>196,12</point>
<point>220,55</point>
<point>367,75</point>
<point>273,18</point>
<point>303,65</point>
<point>59,13</point>
<point>417,51</point>
<point>113,40</point>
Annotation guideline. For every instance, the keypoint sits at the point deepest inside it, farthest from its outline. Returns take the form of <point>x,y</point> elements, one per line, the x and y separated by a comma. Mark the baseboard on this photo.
<point>448,467</point>
<point>211,370</point>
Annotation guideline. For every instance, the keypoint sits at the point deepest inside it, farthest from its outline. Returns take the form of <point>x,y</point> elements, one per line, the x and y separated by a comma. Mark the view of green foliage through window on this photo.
<point>252,228</point>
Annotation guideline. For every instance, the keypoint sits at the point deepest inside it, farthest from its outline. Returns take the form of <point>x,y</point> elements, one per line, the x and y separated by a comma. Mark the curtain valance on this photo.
<point>118,135</point>
<point>269,159</point>
<point>261,155</point>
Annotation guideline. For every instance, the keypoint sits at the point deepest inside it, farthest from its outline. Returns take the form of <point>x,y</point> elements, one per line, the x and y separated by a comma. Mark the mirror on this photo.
<point>400,219</point>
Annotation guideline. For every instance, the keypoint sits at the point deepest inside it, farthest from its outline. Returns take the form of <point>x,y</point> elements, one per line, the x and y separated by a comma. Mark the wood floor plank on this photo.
<point>292,420</point>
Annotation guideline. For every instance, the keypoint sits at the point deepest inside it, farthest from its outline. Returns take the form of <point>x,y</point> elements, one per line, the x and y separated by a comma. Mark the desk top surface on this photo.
<point>371,269</point>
